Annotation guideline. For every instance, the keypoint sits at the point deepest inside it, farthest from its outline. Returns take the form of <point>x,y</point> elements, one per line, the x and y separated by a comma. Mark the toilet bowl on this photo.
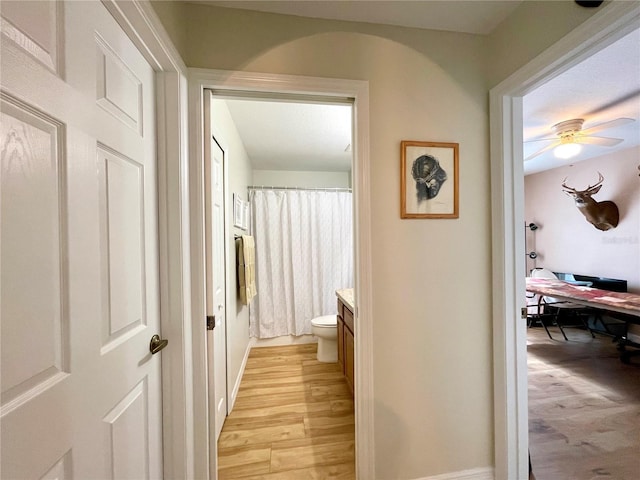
<point>326,329</point>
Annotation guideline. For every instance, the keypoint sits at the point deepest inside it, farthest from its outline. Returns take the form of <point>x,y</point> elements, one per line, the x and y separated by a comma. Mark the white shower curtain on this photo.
<point>304,253</point>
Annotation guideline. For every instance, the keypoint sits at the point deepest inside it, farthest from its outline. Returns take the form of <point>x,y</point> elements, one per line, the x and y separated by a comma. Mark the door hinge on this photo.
<point>211,322</point>
<point>523,313</point>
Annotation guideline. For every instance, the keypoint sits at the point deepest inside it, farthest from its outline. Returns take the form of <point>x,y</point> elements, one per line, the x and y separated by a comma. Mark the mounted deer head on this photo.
<point>602,215</point>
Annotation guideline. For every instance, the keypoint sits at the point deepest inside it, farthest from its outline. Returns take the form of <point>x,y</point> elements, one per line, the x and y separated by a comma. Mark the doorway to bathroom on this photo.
<point>287,179</point>
<point>280,86</point>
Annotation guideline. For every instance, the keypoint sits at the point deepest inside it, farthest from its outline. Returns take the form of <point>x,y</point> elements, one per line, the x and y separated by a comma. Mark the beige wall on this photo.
<point>432,346</point>
<point>173,20</point>
<point>532,28</point>
<point>432,321</point>
<point>565,241</point>
<point>238,165</point>
<point>289,178</point>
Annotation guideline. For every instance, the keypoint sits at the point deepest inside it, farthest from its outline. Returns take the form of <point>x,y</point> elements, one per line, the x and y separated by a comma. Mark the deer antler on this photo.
<point>599,182</point>
<point>567,187</point>
<point>589,189</point>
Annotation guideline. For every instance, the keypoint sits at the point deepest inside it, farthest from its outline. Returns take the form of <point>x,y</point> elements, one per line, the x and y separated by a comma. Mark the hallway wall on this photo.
<point>432,308</point>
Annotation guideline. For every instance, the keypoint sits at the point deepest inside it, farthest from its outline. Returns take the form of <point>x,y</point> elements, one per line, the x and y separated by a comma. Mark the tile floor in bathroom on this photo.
<point>293,419</point>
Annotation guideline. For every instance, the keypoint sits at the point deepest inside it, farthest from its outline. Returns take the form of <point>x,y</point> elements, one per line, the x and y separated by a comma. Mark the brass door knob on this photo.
<point>157,344</point>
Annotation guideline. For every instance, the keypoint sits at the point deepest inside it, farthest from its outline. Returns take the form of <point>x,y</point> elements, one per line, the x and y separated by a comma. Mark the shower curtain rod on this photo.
<point>264,187</point>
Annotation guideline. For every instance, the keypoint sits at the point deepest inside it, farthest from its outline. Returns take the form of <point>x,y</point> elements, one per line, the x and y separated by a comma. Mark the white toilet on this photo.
<point>326,329</point>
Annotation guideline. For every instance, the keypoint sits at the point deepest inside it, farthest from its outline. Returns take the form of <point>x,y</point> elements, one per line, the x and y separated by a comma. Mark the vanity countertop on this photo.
<point>346,295</point>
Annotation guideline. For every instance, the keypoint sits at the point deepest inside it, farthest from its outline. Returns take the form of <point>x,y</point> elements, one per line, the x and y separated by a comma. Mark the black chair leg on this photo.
<point>585,322</point>
<point>557,320</point>
<point>545,328</point>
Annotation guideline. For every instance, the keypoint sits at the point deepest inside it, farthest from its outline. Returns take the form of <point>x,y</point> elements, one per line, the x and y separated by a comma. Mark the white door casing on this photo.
<point>79,292</point>
<point>200,81</point>
<point>215,283</point>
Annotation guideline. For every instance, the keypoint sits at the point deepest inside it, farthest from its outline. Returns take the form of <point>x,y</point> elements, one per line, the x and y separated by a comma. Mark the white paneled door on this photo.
<point>215,284</point>
<point>79,247</point>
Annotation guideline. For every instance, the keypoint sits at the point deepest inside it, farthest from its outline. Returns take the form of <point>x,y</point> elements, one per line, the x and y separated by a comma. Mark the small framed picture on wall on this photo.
<point>240,212</point>
<point>429,179</point>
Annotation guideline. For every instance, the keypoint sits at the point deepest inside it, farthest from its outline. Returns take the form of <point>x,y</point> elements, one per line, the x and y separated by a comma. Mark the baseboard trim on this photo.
<point>234,393</point>
<point>486,473</point>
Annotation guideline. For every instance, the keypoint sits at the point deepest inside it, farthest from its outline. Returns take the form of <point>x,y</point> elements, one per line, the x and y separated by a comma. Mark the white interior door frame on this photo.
<point>611,23</point>
<point>142,25</point>
<point>219,80</point>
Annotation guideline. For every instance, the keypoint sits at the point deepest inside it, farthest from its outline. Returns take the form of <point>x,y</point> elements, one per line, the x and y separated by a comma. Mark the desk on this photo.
<point>625,303</point>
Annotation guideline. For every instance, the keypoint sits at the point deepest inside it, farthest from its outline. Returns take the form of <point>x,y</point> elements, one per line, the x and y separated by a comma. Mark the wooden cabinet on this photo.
<point>345,342</point>
<point>348,358</point>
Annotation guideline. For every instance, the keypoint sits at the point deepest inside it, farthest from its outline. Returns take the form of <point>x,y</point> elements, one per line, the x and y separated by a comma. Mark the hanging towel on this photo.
<point>246,255</point>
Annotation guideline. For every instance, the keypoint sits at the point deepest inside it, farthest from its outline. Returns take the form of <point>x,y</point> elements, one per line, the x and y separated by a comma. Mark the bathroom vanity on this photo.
<point>346,333</point>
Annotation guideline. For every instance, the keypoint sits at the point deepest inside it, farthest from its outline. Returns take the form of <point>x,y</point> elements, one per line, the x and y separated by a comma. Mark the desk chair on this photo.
<point>558,306</point>
<point>538,315</point>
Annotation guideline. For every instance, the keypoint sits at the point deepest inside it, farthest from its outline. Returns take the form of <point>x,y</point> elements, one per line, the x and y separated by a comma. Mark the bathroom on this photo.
<point>303,236</point>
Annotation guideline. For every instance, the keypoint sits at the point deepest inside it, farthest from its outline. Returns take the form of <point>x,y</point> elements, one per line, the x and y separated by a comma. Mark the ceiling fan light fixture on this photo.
<point>570,136</point>
<point>567,150</point>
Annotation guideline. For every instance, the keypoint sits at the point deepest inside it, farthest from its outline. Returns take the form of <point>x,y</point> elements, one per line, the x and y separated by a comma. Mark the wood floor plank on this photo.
<point>302,407</point>
<point>309,456</point>
<point>259,435</point>
<point>317,472</point>
<point>342,405</point>
<point>263,391</point>
<point>239,463</point>
<point>310,441</point>
<point>277,400</point>
<point>234,422</point>
<point>309,348</point>
<point>293,419</point>
<point>331,391</point>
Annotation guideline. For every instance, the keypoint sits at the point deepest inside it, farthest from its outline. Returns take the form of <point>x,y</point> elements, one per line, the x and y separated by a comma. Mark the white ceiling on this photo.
<point>475,16</point>
<point>293,136</point>
<point>603,87</point>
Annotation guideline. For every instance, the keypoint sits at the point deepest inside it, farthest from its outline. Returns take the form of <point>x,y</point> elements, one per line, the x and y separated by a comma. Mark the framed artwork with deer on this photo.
<point>428,179</point>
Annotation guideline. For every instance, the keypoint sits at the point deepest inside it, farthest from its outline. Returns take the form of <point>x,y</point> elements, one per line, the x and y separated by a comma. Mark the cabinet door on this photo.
<point>348,354</point>
<point>341,331</point>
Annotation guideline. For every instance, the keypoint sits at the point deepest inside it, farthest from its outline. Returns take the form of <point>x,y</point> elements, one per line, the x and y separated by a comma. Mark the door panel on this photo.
<point>118,90</point>
<point>79,247</point>
<point>33,245</point>
<point>38,29</point>
<point>215,284</point>
<point>126,439</point>
<point>122,235</point>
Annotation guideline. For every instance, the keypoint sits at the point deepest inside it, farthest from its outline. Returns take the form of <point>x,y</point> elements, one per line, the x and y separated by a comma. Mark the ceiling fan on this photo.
<point>570,136</point>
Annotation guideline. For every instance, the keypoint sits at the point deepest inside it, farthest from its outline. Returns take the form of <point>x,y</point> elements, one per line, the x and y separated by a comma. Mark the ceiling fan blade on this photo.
<point>548,139</point>
<point>542,150</point>
<point>603,126</point>
<point>602,141</point>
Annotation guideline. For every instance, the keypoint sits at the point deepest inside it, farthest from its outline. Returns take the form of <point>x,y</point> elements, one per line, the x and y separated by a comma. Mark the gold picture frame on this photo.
<point>429,179</point>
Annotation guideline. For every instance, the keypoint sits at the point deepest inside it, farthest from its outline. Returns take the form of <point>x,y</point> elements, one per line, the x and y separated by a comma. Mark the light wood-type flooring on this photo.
<point>584,408</point>
<point>293,419</point>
